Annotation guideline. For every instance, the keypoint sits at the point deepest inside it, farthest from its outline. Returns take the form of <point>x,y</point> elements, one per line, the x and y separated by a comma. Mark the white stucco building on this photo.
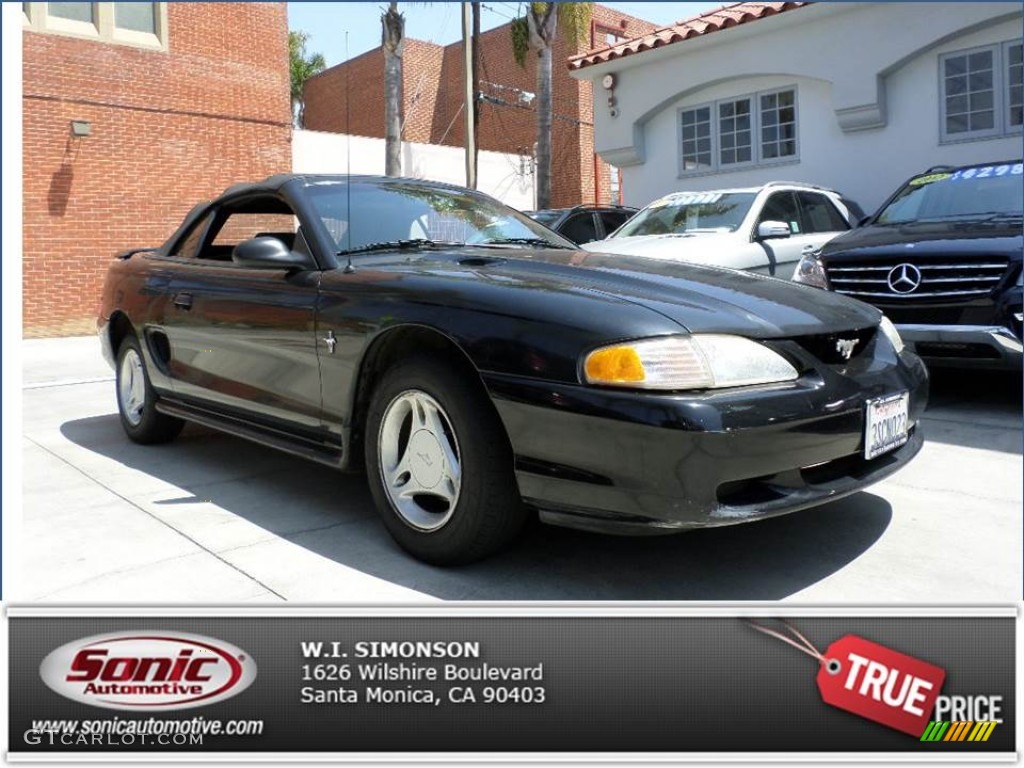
<point>853,96</point>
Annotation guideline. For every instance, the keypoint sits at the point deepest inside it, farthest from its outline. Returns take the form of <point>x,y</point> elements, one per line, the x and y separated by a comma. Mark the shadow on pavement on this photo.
<point>975,409</point>
<point>331,514</point>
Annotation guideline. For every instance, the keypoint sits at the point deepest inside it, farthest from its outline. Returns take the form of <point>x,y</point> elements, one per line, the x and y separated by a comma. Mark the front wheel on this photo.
<point>439,465</point>
<point>136,399</point>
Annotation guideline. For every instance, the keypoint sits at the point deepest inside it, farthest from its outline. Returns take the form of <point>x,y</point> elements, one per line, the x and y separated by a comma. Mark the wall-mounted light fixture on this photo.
<point>609,82</point>
<point>81,128</point>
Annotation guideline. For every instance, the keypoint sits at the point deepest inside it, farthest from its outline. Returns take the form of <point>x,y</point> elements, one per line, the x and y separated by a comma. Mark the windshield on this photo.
<point>690,212</point>
<point>969,193</point>
<point>398,212</point>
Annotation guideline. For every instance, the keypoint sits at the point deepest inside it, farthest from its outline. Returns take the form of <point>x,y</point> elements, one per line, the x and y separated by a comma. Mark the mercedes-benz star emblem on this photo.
<point>904,278</point>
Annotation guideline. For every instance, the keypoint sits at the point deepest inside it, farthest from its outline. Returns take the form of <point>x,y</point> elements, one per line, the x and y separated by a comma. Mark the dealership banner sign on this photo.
<point>511,680</point>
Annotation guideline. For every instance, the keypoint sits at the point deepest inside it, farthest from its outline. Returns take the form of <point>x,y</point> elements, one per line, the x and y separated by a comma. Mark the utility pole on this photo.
<point>476,87</point>
<point>470,94</point>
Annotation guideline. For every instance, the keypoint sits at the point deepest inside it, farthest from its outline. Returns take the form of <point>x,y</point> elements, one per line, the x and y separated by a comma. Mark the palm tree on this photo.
<point>302,67</point>
<point>541,27</point>
<point>392,41</point>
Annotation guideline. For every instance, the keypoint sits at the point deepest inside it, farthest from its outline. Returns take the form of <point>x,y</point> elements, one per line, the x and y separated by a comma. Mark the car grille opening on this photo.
<point>950,279</point>
<point>829,347</point>
<point>927,315</point>
<point>746,493</point>
<point>958,350</point>
<point>763,490</point>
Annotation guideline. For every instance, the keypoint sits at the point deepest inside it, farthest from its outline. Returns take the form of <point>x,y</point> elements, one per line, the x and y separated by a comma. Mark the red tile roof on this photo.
<point>704,24</point>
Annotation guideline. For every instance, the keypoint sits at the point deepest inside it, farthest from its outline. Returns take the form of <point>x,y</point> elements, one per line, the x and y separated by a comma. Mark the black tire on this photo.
<point>141,421</point>
<point>488,512</point>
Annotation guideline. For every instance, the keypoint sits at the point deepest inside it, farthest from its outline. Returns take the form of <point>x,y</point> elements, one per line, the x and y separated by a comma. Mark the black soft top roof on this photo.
<point>276,182</point>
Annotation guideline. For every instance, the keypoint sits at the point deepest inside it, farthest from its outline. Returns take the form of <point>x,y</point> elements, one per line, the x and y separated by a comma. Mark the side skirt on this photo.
<point>323,453</point>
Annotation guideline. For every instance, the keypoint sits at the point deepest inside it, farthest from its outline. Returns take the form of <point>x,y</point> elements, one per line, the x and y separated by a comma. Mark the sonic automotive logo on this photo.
<point>148,670</point>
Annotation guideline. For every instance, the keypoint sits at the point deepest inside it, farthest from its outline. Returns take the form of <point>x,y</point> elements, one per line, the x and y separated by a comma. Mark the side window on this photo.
<point>188,247</point>
<point>252,218</point>
<point>781,206</point>
<point>612,220</point>
<point>580,228</point>
<point>819,215</point>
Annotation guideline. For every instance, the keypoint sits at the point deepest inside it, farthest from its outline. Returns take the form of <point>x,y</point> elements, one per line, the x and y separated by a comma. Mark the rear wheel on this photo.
<point>136,399</point>
<point>439,464</point>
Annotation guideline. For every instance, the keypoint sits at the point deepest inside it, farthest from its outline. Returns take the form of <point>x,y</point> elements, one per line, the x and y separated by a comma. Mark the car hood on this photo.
<point>701,299</point>
<point>929,238</point>
<point>689,246</point>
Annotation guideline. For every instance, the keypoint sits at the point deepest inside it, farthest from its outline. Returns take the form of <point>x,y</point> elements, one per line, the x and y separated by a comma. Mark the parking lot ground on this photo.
<point>211,518</point>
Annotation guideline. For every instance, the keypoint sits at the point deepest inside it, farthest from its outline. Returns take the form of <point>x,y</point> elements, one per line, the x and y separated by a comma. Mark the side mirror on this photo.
<point>771,230</point>
<point>267,253</point>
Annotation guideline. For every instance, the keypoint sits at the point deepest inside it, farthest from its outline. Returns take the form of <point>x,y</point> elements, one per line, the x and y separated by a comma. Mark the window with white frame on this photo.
<point>696,127</point>
<point>759,128</point>
<point>1012,53</point>
<point>778,124</point>
<point>981,92</point>
<point>134,23</point>
<point>735,132</point>
<point>83,13</point>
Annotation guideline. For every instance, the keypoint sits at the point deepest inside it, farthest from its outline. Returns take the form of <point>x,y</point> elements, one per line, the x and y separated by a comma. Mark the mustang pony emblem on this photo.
<point>845,347</point>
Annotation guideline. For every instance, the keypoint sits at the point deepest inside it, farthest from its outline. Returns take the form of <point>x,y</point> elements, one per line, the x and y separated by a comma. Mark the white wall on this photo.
<point>506,177</point>
<point>867,76</point>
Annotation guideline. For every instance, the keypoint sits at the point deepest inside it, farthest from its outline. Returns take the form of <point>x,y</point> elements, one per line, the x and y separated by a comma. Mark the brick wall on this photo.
<point>433,97</point>
<point>169,128</point>
<point>325,95</point>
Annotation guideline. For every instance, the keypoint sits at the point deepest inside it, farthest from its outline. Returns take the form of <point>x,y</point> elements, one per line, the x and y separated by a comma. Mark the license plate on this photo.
<point>885,427</point>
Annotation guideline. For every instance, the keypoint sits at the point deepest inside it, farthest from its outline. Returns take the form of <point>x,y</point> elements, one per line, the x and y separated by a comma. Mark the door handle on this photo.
<point>183,301</point>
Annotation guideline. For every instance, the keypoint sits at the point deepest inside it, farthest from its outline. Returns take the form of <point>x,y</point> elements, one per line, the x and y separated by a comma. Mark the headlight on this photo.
<point>686,362</point>
<point>810,271</point>
<point>891,333</point>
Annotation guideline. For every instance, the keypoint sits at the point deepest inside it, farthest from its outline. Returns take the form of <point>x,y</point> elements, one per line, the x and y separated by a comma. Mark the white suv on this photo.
<point>764,229</point>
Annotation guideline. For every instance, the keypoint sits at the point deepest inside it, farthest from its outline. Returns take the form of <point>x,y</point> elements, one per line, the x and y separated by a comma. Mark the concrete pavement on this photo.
<point>211,518</point>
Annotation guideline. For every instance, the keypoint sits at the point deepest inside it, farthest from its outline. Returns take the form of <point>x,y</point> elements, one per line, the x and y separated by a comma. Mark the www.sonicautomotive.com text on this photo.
<point>123,732</point>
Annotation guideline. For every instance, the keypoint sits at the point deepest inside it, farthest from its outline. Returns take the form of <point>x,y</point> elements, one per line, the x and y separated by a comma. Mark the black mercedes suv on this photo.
<point>942,259</point>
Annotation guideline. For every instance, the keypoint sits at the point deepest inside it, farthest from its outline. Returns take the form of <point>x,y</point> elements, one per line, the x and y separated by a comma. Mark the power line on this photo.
<point>496,12</point>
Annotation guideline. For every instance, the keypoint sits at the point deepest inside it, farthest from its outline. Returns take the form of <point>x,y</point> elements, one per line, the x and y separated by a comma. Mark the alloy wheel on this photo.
<point>419,460</point>
<point>132,387</point>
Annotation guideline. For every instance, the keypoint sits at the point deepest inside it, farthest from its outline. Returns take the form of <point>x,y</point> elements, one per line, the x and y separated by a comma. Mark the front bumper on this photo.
<point>629,462</point>
<point>975,346</point>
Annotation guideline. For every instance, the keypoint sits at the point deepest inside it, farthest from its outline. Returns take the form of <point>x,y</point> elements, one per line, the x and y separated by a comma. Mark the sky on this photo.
<point>438,22</point>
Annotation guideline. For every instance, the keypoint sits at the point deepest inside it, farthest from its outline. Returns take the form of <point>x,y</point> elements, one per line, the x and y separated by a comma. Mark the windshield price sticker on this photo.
<point>886,425</point>
<point>988,171</point>
<point>880,684</point>
<point>437,674</point>
<point>931,178</point>
<point>694,198</point>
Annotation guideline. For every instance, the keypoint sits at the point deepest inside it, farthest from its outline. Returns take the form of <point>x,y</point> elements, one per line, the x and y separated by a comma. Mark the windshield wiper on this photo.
<point>966,217</point>
<point>540,242</point>
<point>414,244</point>
<point>1004,216</point>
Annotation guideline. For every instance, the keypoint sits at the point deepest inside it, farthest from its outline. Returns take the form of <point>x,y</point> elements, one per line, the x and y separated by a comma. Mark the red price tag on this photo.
<point>881,684</point>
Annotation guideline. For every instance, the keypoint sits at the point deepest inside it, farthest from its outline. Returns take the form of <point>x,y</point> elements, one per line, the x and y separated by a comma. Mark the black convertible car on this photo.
<point>480,366</point>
